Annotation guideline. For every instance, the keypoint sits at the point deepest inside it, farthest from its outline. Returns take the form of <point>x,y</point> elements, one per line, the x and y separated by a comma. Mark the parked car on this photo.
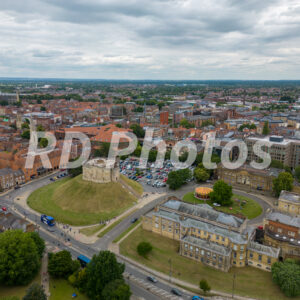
<point>4,208</point>
<point>216,204</point>
<point>152,279</point>
<point>134,220</point>
<point>176,292</point>
<point>197,298</point>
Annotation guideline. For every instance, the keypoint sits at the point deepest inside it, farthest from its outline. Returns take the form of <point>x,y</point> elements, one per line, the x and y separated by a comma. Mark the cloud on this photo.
<point>157,39</point>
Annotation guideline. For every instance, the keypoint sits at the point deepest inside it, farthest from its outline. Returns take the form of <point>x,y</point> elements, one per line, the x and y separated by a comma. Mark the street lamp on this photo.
<point>233,282</point>
<point>170,272</point>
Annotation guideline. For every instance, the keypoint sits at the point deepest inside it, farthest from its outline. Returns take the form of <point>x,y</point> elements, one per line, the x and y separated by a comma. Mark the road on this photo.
<point>60,239</point>
<point>57,238</point>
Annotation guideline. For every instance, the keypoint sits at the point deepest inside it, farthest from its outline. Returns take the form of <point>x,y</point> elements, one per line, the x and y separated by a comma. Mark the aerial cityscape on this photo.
<point>149,150</point>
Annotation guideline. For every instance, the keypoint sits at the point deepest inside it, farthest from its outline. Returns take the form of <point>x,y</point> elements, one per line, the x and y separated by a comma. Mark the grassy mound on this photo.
<point>78,202</point>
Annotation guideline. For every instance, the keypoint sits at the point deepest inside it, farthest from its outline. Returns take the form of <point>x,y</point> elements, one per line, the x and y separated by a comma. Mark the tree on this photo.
<point>297,173</point>
<point>186,124</point>
<point>103,151</point>
<point>39,242</point>
<point>284,181</point>
<point>174,180</point>
<point>201,174</point>
<point>43,108</point>
<point>287,275</point>
<point>116,290</point>
<point>26,134</point>
<point>25,126</point>
<point>266,128</point>
<point>185,174</point>
<point>144,248</point>
<point>222,193</point>
<point>276,164</point>
<point>20,260</point>
<point>61,264</point>
<point>102,269</point>
<point>35,292</point>
<point>137,130</point>
<point>204,286</point>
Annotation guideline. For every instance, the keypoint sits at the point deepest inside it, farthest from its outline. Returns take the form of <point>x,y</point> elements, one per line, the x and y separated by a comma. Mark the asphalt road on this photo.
<point>60,239</point>
<point>56,238</point>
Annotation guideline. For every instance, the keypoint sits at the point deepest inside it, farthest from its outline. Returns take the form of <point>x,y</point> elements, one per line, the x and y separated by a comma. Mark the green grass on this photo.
<point>60,289</point>
<point>77,202</point>
<point>110,227</point>
<point>249,281</point>
<point>89,231</point>
<point>250,210</point>
<point>135,185</point>
<point>18,291</point>
<point>126,231</point>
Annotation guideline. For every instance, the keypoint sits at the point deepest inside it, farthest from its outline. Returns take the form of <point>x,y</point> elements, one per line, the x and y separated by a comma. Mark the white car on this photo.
<point>216,204</point>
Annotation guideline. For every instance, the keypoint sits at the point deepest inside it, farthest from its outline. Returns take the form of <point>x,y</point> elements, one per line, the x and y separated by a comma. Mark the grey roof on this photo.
<point>289,197</point>
<point>235,237</point>
<point>284,219</point>
<point>203,244</point>
<point>205,212</point>
<point>262,249</point>
<point>9,171</point>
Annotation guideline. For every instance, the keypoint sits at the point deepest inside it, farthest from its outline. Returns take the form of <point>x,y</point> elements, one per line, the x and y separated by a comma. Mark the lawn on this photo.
<point>110,227</point>
<point>250,210</point>
<point>89,231</point>
<point>60,289</point>
<point>77,202</point>
<point>18,291</point>
<point>249,281</point>
<point>135,185</point>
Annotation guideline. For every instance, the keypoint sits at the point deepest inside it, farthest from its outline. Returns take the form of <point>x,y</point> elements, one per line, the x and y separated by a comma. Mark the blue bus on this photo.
<point>83,260</point>
<point>48,220</point>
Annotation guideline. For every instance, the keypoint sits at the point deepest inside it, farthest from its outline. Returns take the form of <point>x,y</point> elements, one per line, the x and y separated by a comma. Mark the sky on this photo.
<point>150,39</point>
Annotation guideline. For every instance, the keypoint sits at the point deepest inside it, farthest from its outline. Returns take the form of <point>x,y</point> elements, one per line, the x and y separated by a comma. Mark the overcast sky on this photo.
<point>150,39</point>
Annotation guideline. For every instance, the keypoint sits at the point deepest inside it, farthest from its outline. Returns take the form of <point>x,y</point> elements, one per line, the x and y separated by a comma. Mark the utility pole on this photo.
<point>170,272</point>
<point>233,282</point>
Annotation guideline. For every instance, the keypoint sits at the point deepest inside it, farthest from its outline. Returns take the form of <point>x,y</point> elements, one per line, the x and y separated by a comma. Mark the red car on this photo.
<point>4,208</point>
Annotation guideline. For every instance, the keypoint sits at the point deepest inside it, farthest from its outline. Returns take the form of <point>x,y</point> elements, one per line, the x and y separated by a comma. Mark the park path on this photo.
<point>45,275</point>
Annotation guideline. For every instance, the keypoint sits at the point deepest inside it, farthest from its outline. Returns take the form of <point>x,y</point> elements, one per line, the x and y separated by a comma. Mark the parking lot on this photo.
<point>154,180</point>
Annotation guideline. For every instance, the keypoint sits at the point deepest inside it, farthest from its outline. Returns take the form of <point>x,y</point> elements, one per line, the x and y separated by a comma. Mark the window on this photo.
<point>223,239</point>
<point>185,245</point>
<point>191,248</point>
<point>269,260</point>
<point>202,252</point>
<point>241,256</point>
<point>234,254</point>
<point>251,255</point>
<point>220,259</point>
<point>208,253</point>
<point>259,257</point>
<point>235,247</point>
<point>217,237</point>
<point>242,248</point>
<point>279,230</point>
<point>156,225</point>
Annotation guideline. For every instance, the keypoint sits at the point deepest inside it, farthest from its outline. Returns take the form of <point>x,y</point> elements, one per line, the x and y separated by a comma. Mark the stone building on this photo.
<point>248,178</point>
<point>10,178</point>
<point>214,238</point>
<point>283,231</point>
<point>289,203</point>
<point>95,170</point>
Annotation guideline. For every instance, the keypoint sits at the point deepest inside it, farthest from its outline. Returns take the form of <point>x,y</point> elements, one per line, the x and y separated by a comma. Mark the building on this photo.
<point>283,231</point>
<point>95,170</point>
<point>10,178</point>
<point>248,178</point>
<point>289,203</point>
<point>261,256</point>
<point>164,118</point>
<point>287,151</point>
<point>8,221</point>
<point>214,238</point>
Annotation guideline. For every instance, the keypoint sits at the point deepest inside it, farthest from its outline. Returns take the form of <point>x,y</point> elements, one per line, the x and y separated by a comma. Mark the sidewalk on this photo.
<point>45,275</point>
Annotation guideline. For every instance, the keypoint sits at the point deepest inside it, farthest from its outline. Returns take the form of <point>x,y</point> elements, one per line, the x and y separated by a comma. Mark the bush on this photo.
<point>61,264</point>
<point>204,286</point>
<point>144,248</point>
<point>35,292</point>
<point>287,275</point>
